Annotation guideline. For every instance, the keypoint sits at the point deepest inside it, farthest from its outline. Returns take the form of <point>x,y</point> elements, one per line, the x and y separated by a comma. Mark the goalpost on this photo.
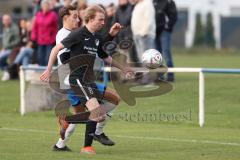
<point>26,76</point>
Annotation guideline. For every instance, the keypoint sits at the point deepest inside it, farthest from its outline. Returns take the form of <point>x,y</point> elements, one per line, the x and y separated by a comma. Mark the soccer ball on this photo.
<point>152,58</point>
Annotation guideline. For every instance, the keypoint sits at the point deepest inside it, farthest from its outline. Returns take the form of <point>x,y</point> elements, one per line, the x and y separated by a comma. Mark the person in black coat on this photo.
<point>166,18</point>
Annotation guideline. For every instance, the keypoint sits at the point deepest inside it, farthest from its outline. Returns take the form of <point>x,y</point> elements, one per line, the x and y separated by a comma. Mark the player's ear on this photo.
<point>65,17</point>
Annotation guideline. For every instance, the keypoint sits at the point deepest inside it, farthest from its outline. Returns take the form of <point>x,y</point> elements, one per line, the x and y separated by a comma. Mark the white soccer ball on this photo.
<point>152,58</point>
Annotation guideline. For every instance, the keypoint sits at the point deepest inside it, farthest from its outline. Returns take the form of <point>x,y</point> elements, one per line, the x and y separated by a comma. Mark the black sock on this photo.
<point>90,128</point>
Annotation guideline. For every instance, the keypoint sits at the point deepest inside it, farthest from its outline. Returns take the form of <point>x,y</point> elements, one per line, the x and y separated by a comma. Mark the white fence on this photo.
<point>200,71</point>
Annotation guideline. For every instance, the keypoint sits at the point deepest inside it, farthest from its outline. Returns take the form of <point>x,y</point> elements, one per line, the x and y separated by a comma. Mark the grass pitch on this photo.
<point>164,127</point>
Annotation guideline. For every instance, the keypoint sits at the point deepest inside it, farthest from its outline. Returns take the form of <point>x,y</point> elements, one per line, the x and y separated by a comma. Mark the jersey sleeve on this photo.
<point>71,39</point>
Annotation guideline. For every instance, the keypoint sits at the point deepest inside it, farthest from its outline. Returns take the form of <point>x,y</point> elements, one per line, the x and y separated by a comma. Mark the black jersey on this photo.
<point>84,46</point>
<point>83,42</point>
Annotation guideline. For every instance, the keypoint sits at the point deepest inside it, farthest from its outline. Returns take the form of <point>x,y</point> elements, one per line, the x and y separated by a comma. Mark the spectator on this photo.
<point>123,16</point>
<point>132,2</point>
<point>143,26</point>
<point>81,4</point>
<point>166,17</point>
<point>80,16</point>
<point>23,32</point>
<point>36,6</point>
<point>144,30</point>
<point>44,32</point>
<point>67,2</point>
<point>110,11</point>
<point>11,40</point>
<point>56,6</point>
<point>24,57</point>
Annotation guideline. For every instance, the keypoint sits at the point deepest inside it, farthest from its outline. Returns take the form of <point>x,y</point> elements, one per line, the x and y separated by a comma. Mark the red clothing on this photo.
<point>45,28</point>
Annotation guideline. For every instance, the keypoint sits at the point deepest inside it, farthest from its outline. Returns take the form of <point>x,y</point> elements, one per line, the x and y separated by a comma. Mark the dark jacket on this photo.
<point>166,15</point>
<point>123,16</point>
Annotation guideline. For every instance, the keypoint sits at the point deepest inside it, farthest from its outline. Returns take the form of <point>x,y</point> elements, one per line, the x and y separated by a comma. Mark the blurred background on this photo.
<point>219,17</point>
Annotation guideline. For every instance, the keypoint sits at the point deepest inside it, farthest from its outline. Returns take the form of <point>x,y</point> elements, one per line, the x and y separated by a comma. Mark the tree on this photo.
<point>199,32</point>
<point>209,33</point>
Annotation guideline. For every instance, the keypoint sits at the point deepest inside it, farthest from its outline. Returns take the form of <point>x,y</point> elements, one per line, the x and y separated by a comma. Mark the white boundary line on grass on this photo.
<point>134,137</point>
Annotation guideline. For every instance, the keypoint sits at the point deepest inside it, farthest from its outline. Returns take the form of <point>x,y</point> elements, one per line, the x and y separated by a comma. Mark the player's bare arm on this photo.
<point>53,56</point>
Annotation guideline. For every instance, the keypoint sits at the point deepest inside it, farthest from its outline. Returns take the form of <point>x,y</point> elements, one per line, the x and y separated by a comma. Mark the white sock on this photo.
<point>101,125</point>
<point>69,132</point>
<point>62,143</point>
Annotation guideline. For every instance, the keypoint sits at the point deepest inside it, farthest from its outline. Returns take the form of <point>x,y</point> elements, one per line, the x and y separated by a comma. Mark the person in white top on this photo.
<point>143,26</point>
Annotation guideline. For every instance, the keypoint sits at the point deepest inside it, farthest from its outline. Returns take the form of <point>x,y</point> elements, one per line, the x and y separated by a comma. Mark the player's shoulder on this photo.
<point>62,33</point>
<point>78,32</point>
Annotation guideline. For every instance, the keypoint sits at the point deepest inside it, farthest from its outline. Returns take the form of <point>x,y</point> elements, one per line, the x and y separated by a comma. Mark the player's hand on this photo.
<point>45,76</point>
<point>115,29</point>
<point>129,73</point>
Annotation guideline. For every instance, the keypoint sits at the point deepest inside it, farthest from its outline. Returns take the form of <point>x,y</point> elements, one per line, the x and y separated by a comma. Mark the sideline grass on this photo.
<point>32,136</point>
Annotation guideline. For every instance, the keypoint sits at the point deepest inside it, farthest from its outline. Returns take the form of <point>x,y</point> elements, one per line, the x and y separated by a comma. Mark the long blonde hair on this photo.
<point>91,11</point>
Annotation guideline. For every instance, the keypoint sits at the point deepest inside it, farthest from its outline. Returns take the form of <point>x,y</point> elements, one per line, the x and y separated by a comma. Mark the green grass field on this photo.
<point>174,138</point>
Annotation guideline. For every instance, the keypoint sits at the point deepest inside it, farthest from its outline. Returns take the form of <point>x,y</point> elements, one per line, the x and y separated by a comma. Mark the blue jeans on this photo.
<point>163,44</point>
<point>3,58</point>
<point>43,53</point>
<point>143,43</point>
<point>24,56</point>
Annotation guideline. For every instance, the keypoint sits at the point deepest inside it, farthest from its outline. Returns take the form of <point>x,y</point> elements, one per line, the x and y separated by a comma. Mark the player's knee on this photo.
<point>117,99</point>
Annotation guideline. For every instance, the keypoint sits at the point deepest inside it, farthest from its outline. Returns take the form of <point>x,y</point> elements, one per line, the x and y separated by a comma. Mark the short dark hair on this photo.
<point>65,10</point>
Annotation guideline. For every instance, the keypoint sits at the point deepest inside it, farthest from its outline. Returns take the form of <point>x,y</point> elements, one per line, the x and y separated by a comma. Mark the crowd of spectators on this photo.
<point>147,23</point>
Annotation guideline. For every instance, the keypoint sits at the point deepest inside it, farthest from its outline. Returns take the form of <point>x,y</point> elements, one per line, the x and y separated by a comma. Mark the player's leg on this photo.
<point>111,100</point>
<point>90,129</point>
<point>66,130</point>
<point>111,96</point>
<point>90,96</point>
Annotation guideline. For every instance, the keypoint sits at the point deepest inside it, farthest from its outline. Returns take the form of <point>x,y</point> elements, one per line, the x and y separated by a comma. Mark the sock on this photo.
<point>62,143</point>
<point>101,125</point>
<point>90,128</point>
<point>109,107</point>
<point>69,132</point>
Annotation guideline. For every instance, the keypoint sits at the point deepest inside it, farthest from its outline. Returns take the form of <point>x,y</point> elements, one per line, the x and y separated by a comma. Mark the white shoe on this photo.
<point>6,76</point>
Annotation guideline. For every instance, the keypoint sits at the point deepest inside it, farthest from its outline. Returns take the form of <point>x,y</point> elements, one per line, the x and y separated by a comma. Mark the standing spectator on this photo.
<point>80,4</point>
<point>123,16</point>
<point>11,40</point>
<point>110,11</point>
<point>44,31</point>
<point>36,6</point>
<point>166,17</point>
<point>56,6</point>
<point>67,2</point>
<point>143,26</point>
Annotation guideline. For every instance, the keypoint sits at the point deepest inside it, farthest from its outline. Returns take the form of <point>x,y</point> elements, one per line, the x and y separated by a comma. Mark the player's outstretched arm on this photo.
<point>115,29</point>
<point>53,56</point>
<point>126,70</point>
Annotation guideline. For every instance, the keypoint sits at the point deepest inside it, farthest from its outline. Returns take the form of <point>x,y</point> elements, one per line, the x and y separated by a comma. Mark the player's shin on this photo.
<point>97,112</point>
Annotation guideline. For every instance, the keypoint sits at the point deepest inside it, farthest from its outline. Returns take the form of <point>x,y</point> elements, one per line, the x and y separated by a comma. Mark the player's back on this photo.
<point>63,55</point>
<point>62,34</point>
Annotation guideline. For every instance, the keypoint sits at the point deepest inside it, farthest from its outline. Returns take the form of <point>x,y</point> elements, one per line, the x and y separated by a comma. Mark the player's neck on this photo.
<point>67,27</point>
<point>90,29</point>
